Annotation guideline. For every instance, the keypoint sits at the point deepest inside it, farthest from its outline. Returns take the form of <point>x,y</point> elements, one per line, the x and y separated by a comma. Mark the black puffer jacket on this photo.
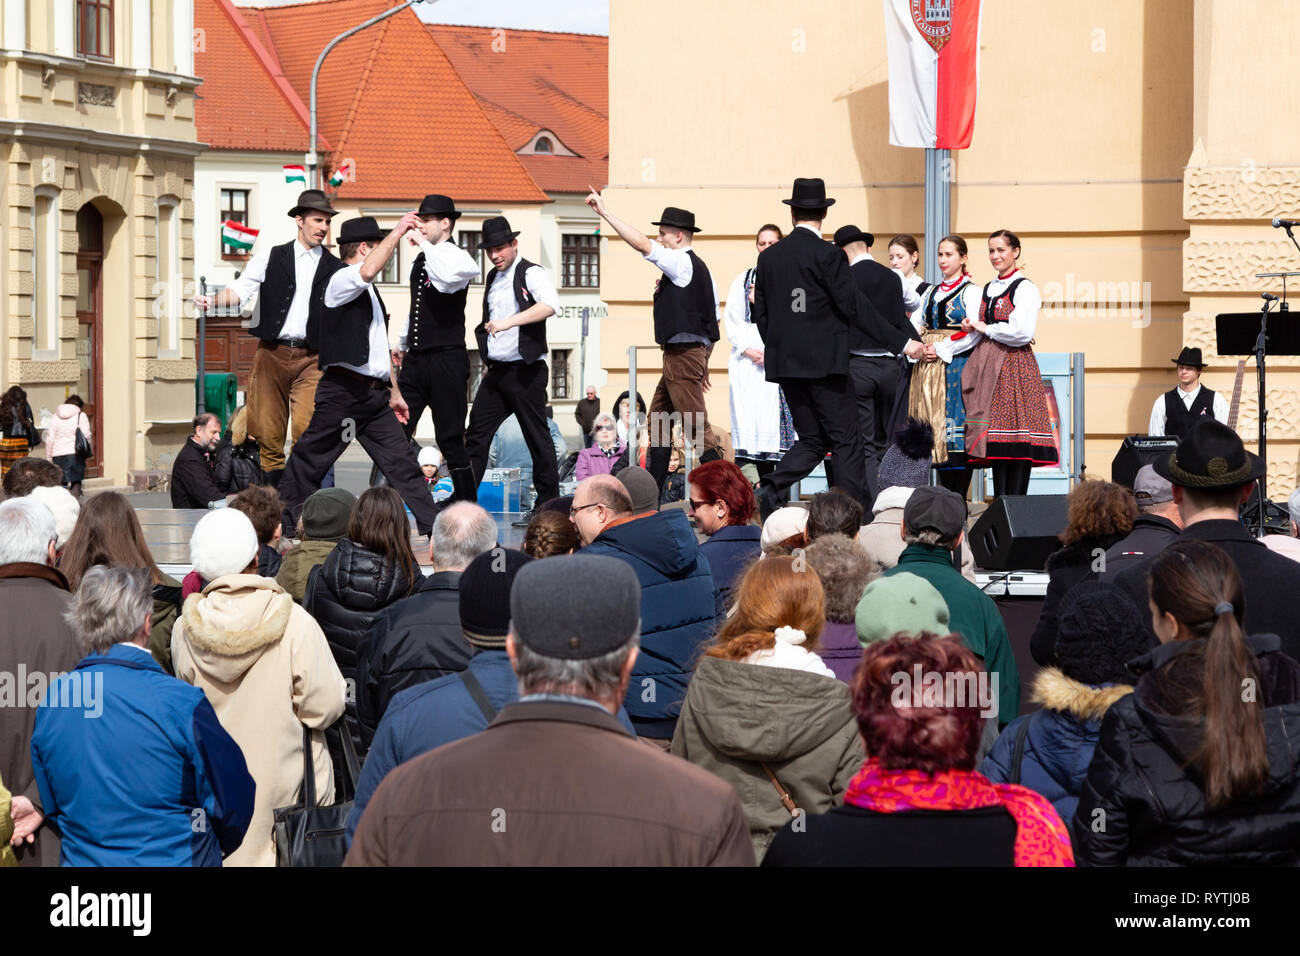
<point>1143,803</point>
<point>1067,567</point>
<point>411,642</point>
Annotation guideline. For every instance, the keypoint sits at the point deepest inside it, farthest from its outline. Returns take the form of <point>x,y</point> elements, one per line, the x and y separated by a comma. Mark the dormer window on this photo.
<point>543,145</point>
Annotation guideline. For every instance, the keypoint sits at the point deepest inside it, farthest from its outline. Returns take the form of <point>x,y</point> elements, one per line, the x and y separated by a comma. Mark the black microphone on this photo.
<point>1285,223</point>
<point>1268,297</point>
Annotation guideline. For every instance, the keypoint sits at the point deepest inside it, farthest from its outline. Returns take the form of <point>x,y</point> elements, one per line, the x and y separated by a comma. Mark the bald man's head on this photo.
<point>599,500</point>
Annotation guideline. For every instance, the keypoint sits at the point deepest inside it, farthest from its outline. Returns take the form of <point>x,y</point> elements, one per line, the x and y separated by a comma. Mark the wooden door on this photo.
<point>90,326</point>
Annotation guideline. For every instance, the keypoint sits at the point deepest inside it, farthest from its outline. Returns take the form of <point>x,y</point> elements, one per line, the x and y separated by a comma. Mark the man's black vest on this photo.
<point>1179,419</point>
<point>279,287</point>
<point>692,309</point>
<point>437,318</point>
<point>346,331</point>
<point>532,337</point>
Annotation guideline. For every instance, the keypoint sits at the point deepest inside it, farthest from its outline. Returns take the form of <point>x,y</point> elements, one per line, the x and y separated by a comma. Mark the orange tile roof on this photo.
<point>390,100</point>
<point>529,80</point>
<point>245,102</point>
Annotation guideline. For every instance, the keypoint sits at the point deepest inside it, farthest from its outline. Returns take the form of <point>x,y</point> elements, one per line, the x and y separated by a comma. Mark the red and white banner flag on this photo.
<point>933,71</point>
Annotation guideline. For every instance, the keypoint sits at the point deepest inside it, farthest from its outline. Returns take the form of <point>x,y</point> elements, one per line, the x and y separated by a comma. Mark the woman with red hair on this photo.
<point>763,711</point>
<point>917,800</point>
<point>723,505</point>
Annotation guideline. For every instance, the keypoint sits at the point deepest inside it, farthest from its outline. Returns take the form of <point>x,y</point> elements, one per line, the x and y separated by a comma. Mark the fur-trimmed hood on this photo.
<point>1087,702</point>
<point>232,622</point>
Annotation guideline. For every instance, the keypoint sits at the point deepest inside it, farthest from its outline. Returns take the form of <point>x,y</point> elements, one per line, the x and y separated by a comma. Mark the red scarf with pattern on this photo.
<point>1041,837</point>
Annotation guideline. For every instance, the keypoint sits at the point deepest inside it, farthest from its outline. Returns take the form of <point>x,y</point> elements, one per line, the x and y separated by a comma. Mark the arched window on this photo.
<point>543,145</point>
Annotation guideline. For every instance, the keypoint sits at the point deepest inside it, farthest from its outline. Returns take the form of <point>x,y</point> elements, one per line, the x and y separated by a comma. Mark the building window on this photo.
<point>560,373</point>
<point>234,207</point>
<point>167,289</point>
<point>46,266</point>
<point>95,29</point>
<point>469,241</point>
<point>581,261</point>
<point>543,145</point>
<point>392,274</point>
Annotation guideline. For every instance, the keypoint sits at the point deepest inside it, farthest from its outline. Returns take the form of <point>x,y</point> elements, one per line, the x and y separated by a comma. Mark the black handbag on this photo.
<point>308,835</point>
<point>82,447</point>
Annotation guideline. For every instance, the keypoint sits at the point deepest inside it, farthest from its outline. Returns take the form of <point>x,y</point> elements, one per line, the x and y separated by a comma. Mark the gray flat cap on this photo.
<point>641,488</point>
<point>553,613</point>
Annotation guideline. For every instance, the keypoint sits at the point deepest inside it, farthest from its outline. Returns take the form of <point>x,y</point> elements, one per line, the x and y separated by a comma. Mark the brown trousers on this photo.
<point>681,390</point>
<point>283,383</point>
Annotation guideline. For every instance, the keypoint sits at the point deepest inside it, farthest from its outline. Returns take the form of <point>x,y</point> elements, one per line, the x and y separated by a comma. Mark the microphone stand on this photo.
<point>1260,349</point>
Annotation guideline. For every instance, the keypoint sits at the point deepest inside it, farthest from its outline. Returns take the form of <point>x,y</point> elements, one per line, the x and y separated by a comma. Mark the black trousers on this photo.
<point>825,416</point>
<point>875,383</point>
<point>439,381</point>
<point>348,408</point>
<point>517,388</point>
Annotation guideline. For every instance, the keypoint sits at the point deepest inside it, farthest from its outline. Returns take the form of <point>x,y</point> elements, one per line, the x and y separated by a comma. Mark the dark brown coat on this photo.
<point>551,784</point>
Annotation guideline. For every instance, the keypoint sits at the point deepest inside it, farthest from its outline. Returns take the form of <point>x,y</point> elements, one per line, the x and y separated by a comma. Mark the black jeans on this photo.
<point>439,381</point>
<point>517,388</point>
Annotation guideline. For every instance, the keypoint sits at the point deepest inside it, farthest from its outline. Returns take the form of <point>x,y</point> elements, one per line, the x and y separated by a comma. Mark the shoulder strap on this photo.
<point>1018,750</point>
<point>786,800</point>
<point>479,694</point>
<point>308,772</point>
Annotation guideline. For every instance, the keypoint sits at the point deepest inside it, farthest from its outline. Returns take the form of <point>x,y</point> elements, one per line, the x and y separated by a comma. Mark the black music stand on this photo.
<point>1249,333</point>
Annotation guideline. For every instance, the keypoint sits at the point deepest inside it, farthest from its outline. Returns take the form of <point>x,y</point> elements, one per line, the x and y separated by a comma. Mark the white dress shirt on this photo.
<point>305,262</point>
<point>910,305</point>
<point>1019,327</point>
<point>1157,424</point>
<point>677,266</point>
<point>504,346</point>
<point>344,286</point>
<point>449,268</point>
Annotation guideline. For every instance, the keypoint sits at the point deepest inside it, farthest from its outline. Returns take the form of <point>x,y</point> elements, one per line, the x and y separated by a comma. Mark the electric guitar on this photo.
<point>1236,395</point>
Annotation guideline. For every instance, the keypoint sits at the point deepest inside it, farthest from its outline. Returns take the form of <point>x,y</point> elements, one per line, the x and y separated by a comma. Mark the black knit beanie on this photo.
<point>485,596</point>
<point>1099,629</point>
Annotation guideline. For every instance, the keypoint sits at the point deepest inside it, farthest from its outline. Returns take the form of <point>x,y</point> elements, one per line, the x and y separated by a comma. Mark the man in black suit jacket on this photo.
<point>878,342</point>
<point>1213,474</point>
<point>804,305</point>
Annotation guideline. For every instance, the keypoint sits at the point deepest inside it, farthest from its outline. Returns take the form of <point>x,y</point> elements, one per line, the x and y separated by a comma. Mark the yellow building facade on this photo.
<point>1138,147</point>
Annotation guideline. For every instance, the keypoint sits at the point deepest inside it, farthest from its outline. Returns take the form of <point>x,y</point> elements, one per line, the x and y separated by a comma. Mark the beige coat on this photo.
<point>883,539</point>
<point>266,669</point>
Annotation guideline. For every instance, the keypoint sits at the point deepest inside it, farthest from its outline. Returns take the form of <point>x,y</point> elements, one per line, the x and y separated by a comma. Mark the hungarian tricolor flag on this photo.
<point>295,174</point>
<point>237,235</point>
<point>933,71</point>
<point>340,174</point>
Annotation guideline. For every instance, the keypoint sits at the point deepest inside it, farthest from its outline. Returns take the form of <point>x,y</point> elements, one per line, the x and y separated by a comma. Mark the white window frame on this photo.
<point>167,285</point>
<point>47,266</point>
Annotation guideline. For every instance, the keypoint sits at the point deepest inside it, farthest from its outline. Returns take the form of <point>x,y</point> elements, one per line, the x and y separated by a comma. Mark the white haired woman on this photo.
<point>265,666</point>
<point>605,450</point>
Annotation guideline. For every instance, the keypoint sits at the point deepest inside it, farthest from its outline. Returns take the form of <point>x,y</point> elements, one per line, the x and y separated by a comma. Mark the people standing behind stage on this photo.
<point>1007,422</point>
<point>291,280</point>
<point>686,328</point>
<point>585,412</point>
<point>431,353</point>
<point>904,257</point>
<point>61,441</point>
<point>605,451</point>
<point>357,397</point>
<point>1177,410</point>
<point>935,392</point>
<point>17,421</point>
<point>761,427</point>
<point>518,298</point>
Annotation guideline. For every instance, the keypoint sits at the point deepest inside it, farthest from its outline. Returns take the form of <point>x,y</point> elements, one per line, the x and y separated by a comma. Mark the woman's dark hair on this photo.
<point>1012,239</point>
<point>831,512</point>
<point>107,532</point>
<point>13,409</point>
<point>722,481</point>
<point>769,227</point>
<point>908,242</point>
<point>902,730</point>
<point>957,241</point>
<point>75,400</point>
<point>550,533</point>
<point>263,506</point>
<point>1099,510</point>
<point>1192,580</point>
<point>378,523</point>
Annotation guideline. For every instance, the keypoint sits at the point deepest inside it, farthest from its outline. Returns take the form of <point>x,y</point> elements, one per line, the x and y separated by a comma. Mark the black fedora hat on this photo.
<point>361,229</point>
<point>808,194</point>
<point>496,232</point>
<point>846,234</point>
<point>312,200</point>
<point>677,218</point>
<point>1189,357</point>
<point>439,206</point>
<point>1211,456</point>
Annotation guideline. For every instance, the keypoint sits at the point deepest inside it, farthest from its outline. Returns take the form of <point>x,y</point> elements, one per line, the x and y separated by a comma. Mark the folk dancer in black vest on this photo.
<point>686,327</point>
<point>1177,410</point>
<point>357,396</point>
<point>518,300</point>
<point>804,305</point>
<point>291,278</point>
<point>431,352</point>
<point>878,343</point>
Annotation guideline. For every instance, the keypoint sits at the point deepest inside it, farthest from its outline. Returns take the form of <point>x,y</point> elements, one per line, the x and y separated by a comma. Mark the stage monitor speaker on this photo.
<point>1139,450</point>
<point>1018,532</point>
<point>1277,519</point>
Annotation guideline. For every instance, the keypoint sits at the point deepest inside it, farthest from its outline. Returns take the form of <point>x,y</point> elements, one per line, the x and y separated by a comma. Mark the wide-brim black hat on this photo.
<point>677,219</point>
<point>361,229</point>
<point>496,232</point>
<point>808,194</point>
<point>440,206</point>
<point>1189,357</point>
<point>312,200</point>
<point>846,234</point>
<point>1211,456</point>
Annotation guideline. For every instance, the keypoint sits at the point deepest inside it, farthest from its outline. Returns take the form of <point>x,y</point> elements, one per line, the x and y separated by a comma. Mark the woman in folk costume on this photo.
<point>935,393</point>
<point>904,257</point>
<point>761,427</point>
<point>1007,422</point>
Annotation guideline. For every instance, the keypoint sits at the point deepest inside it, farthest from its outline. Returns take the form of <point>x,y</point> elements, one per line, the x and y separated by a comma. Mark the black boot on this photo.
<point>273,477</point>
<point>464,487</point>
<point>769,500</point>
<point>656,462</point>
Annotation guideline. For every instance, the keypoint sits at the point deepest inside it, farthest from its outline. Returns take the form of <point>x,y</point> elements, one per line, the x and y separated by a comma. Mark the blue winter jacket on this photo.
<point>730,551</point>
<point>434,713</point>
<point>678,612</point>
<point>135,769</point>
<point>1061,738</point>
